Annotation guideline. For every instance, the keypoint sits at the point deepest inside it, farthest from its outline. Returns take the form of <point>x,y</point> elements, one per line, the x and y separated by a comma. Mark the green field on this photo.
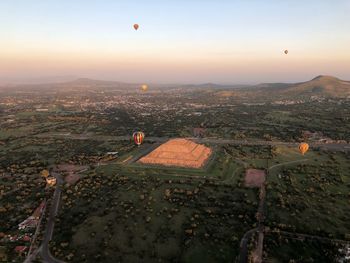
<point>311,196</point>
<point>282,249</point>
<point>132,217</point>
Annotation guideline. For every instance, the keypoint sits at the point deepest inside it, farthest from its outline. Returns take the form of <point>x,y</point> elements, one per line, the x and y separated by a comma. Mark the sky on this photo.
<point>178,41</point>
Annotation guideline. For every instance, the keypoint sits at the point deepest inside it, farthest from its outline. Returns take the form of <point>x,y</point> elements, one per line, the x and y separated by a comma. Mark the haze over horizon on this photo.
<point>238,42</point>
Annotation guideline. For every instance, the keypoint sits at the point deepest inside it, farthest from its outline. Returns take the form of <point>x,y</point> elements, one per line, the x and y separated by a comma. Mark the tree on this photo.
<point>45,173</point>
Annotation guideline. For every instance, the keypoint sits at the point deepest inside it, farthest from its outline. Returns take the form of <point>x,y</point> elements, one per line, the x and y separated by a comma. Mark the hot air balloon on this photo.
<point>136,26</point>
<point>144,87</point>
<point>138,138</point>
<point>286,52</point>
<point>303,147</point>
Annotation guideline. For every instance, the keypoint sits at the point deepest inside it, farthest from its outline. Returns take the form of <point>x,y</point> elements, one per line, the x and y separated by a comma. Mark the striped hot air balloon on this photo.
<point>138,138</point>
<point>303,147</point>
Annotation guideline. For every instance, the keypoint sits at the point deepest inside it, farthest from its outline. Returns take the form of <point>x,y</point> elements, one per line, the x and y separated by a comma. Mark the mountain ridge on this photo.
<point>320,85</point>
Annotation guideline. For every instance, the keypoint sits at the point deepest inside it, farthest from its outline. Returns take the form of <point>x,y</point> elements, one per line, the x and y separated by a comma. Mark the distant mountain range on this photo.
<point>321,85</point>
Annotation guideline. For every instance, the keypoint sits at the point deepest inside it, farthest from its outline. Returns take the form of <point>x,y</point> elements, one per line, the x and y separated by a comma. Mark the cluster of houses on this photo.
<point>23,238</point>
<point>25,234</point>
<point>32,221</point>
<point>20,250</point>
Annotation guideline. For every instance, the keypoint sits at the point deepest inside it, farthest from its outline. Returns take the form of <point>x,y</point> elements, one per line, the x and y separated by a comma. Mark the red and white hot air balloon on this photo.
<point>136,26</point>
<point>138,138</point>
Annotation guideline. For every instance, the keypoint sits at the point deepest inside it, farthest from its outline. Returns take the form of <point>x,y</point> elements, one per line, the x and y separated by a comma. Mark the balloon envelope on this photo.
<point>138,138</point>
<point>144,87</point>
<point>136,26</point>
<point>303,148</point>
<point>286,52</point>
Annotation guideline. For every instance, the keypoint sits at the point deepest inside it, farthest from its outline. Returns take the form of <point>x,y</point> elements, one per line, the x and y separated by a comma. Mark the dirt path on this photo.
<point>261,214</point>
<point>287,163</point>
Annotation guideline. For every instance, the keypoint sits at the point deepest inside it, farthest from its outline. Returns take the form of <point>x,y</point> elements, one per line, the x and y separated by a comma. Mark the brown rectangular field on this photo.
<point>254,177</point>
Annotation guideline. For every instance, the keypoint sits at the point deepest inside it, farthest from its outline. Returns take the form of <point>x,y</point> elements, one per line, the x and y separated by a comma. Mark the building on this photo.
<point>51,181</point>
<point>28,223</point>
<point>26,238</point>
<point>112,153</point>
<point>37,213</point>
<point>21,250</point>
<point>32,221</point>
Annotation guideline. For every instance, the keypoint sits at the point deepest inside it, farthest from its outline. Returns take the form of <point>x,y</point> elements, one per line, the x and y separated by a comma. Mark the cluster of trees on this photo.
<point>209,212</point>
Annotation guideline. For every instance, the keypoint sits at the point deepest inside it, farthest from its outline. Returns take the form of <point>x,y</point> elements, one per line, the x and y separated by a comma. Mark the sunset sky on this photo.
<point>179,41</point>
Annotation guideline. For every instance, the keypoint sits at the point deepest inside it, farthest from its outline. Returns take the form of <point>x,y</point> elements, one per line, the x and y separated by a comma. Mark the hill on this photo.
<point>80,84</point>
<point>321,85</point>
<point>327,86</point>
<point>86,83</point>
<point>324,86</point>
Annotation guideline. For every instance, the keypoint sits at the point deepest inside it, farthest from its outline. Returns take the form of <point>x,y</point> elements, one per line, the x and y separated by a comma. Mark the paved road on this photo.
<point>96,137</point>
<point>243,254</point>
<point>45,249</point>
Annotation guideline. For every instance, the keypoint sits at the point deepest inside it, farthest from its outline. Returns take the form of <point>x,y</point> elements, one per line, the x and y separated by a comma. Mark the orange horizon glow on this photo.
<point>239,48</point>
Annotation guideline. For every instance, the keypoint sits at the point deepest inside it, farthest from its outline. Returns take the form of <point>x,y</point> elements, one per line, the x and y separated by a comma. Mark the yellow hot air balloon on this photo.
<point>144,87</point>
<point>303,147</point>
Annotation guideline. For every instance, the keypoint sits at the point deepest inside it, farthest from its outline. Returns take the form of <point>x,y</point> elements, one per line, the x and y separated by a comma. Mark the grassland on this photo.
<point>311,196</point>
<point>146,217</point>
<point>284,249</point>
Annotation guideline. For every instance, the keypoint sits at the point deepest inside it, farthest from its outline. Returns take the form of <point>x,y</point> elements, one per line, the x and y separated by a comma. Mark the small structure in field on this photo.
<point>254,177</point>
